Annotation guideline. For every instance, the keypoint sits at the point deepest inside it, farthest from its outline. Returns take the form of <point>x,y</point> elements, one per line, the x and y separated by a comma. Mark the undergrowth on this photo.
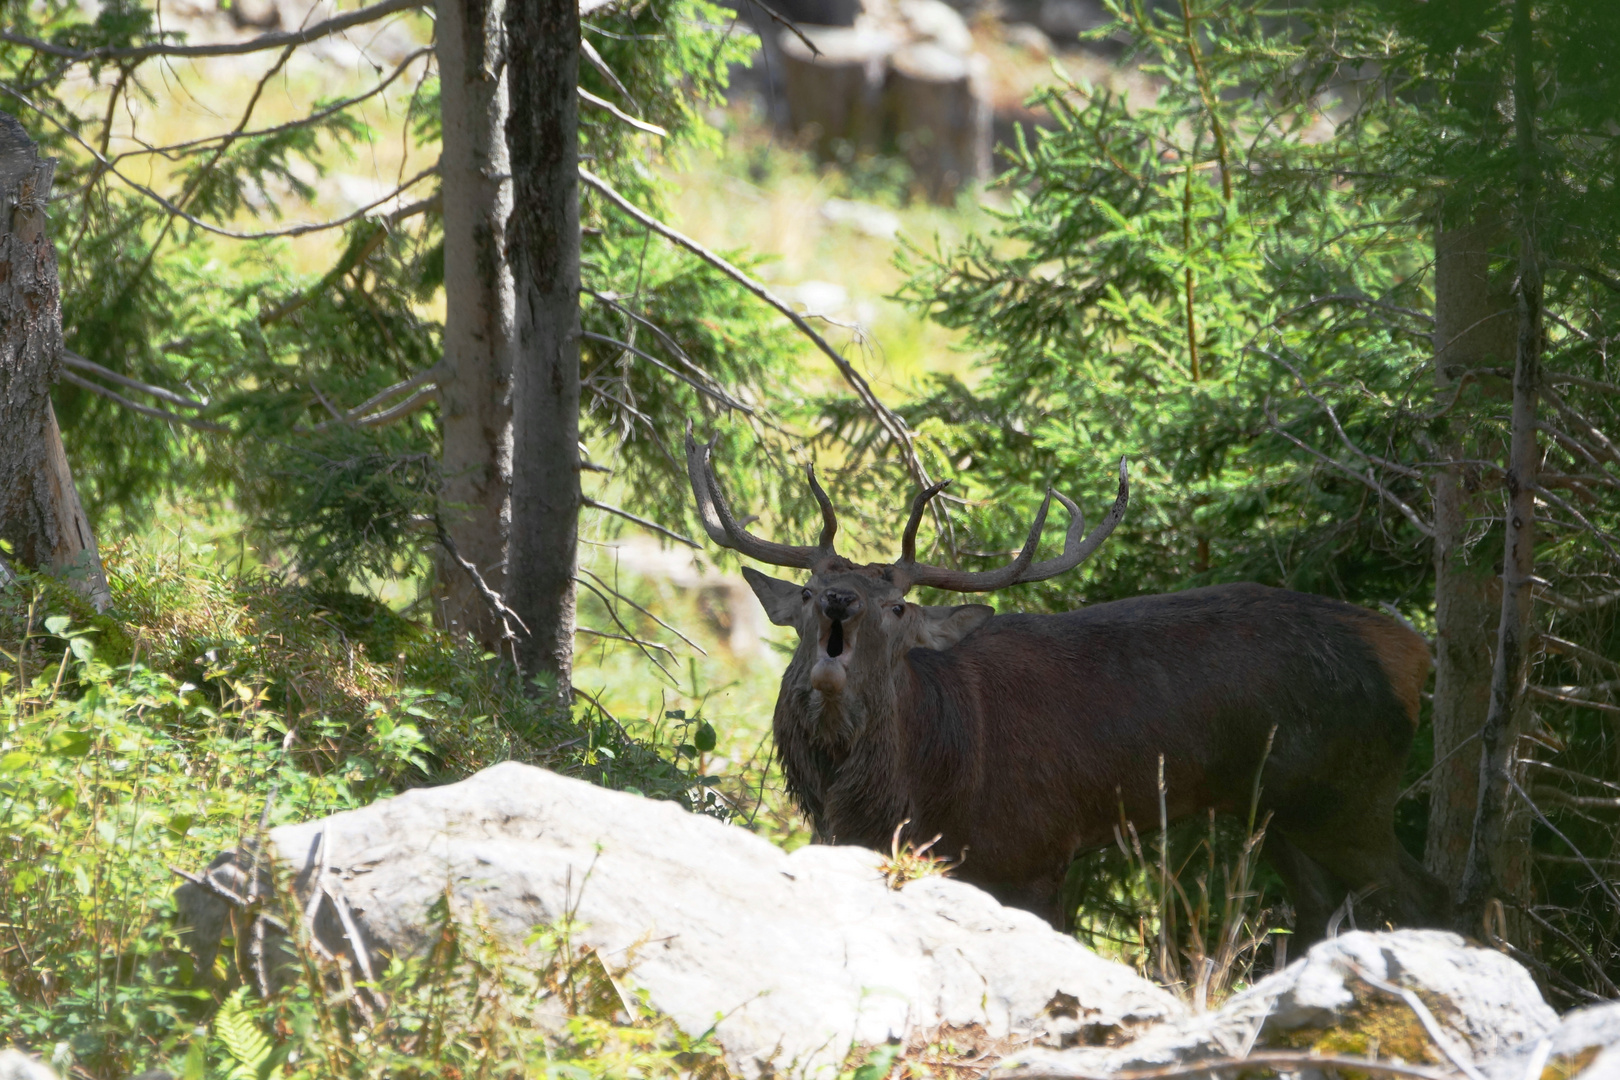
<point>1193,909</point>
<point>469,1005</point>
<point>200,708</point>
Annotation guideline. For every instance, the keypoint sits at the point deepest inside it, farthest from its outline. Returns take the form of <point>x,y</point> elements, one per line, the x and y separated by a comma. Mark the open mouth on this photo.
<point>831,669</point>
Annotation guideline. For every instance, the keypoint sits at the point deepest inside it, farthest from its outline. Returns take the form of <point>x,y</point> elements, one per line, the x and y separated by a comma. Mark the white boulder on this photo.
<point>1584,1046</point>
<point>794,958</point>
<point>16,1065</point>
<point>1424,995</point>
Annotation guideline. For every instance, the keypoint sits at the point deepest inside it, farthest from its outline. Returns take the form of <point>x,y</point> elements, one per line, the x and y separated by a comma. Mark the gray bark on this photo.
<point>543,233</point>
<point>475,393</point>
<point>1475,327</point>
<point>1486,873</point>
<point>40,513</point>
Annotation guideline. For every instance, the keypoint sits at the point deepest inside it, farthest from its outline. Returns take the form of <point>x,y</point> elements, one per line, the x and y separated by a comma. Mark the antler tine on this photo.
<point>908,540</point>
<point>1075,550</point>
<point>722,526</point>
<point>829,517</point>
<point>1022,569</point>
<point>696,459</point>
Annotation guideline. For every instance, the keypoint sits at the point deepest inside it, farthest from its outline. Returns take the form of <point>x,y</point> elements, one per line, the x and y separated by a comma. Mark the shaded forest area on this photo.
<point>1343,290</point>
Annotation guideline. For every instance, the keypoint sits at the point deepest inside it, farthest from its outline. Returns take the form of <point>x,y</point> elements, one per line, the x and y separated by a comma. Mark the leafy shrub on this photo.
<point>202,708</point>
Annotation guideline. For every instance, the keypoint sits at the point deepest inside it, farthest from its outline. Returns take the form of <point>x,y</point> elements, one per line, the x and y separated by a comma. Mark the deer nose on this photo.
<point>840,604</point>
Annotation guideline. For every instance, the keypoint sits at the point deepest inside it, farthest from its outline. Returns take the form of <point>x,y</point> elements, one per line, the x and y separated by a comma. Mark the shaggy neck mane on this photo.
<point>856,746</point>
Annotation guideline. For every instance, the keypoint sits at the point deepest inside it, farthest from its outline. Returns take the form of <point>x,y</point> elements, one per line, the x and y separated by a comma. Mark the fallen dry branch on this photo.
<point>1279,1060</point>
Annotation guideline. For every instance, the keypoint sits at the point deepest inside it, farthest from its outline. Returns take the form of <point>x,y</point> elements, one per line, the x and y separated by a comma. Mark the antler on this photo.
<point>722,526</point>
<point>1077,546</point>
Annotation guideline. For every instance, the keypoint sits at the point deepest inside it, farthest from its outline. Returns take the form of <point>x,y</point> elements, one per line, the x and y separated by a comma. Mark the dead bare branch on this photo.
<point>643,522</point>
<point>1531,803</point>
<point>490,597</point>
<point>1586,957</point>
<point>1549,694</point>
<point>1333,417</point>
<point>316,117</point>
<point>1579,652</point>
<point>1437,1035</point>
<point>262,43</point>
<point>1563,378</point>
<point>619,114</point>
<point>630,635</point>
<point>787,23</point>
<point>891,423</point>
<point>144,410</point>
<point>620,596</point>
<point>588,51</point>
<point>418,400</point>
<point>269,234</point>
<point>421,378</point>
<point>1610,283</point>
<point>74,360</point>
<point>638,642</point>
<point>1410,514</point>
<point>1580,421</point>
<point>712,391</point>
<point>1584,802</point>
<point>1564,505</point>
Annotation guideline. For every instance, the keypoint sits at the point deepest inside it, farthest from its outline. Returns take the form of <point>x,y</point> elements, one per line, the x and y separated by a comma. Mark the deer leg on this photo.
<point>1415,896</point>
<point>1390,884</point>
<point>1315,893</point>
<point>1042,896</point>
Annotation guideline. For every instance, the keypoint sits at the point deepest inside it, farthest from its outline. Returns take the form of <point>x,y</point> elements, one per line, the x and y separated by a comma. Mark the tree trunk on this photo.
<point>543,233</point>
<point>939,109</point>
<point>1486,872</point>
<point>835,100</point>
<point>1475,327</point>
<point>475,391</point>
<point>40,514</point>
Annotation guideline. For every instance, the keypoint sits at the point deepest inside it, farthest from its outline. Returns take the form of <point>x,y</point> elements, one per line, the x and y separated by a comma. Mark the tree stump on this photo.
<point>40,514</point>
<point>939,108</point>
<point>835,100</point>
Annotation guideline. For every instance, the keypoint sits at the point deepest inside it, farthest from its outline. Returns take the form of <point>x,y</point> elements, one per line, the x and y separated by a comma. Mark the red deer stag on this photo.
<point>1018,738</point>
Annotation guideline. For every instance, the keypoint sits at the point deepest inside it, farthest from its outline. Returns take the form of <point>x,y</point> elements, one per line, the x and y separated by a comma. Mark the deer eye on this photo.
<point>807,595</point>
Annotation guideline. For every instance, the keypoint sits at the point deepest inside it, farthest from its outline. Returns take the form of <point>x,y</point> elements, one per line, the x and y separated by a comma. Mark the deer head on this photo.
<point>855,625</point>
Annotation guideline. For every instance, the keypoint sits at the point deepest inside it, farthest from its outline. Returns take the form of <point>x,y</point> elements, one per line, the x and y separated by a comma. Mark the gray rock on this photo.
<point>1478,995</point>
<point>793,958</point>
<point>1585,1045</point>
<point>1482,1003</point>
<point>16,1065</point>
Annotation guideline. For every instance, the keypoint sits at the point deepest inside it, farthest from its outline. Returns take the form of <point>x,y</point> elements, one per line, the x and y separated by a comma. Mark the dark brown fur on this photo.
<point>1020,741</point>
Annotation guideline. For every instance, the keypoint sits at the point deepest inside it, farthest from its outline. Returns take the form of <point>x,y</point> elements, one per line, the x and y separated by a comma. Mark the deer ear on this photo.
<point>783,600</point>
<point>943,627</point>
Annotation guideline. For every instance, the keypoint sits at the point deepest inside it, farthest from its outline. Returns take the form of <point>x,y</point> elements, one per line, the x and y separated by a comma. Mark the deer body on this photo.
<point>1021,745</point>
<point>1020,739</point>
